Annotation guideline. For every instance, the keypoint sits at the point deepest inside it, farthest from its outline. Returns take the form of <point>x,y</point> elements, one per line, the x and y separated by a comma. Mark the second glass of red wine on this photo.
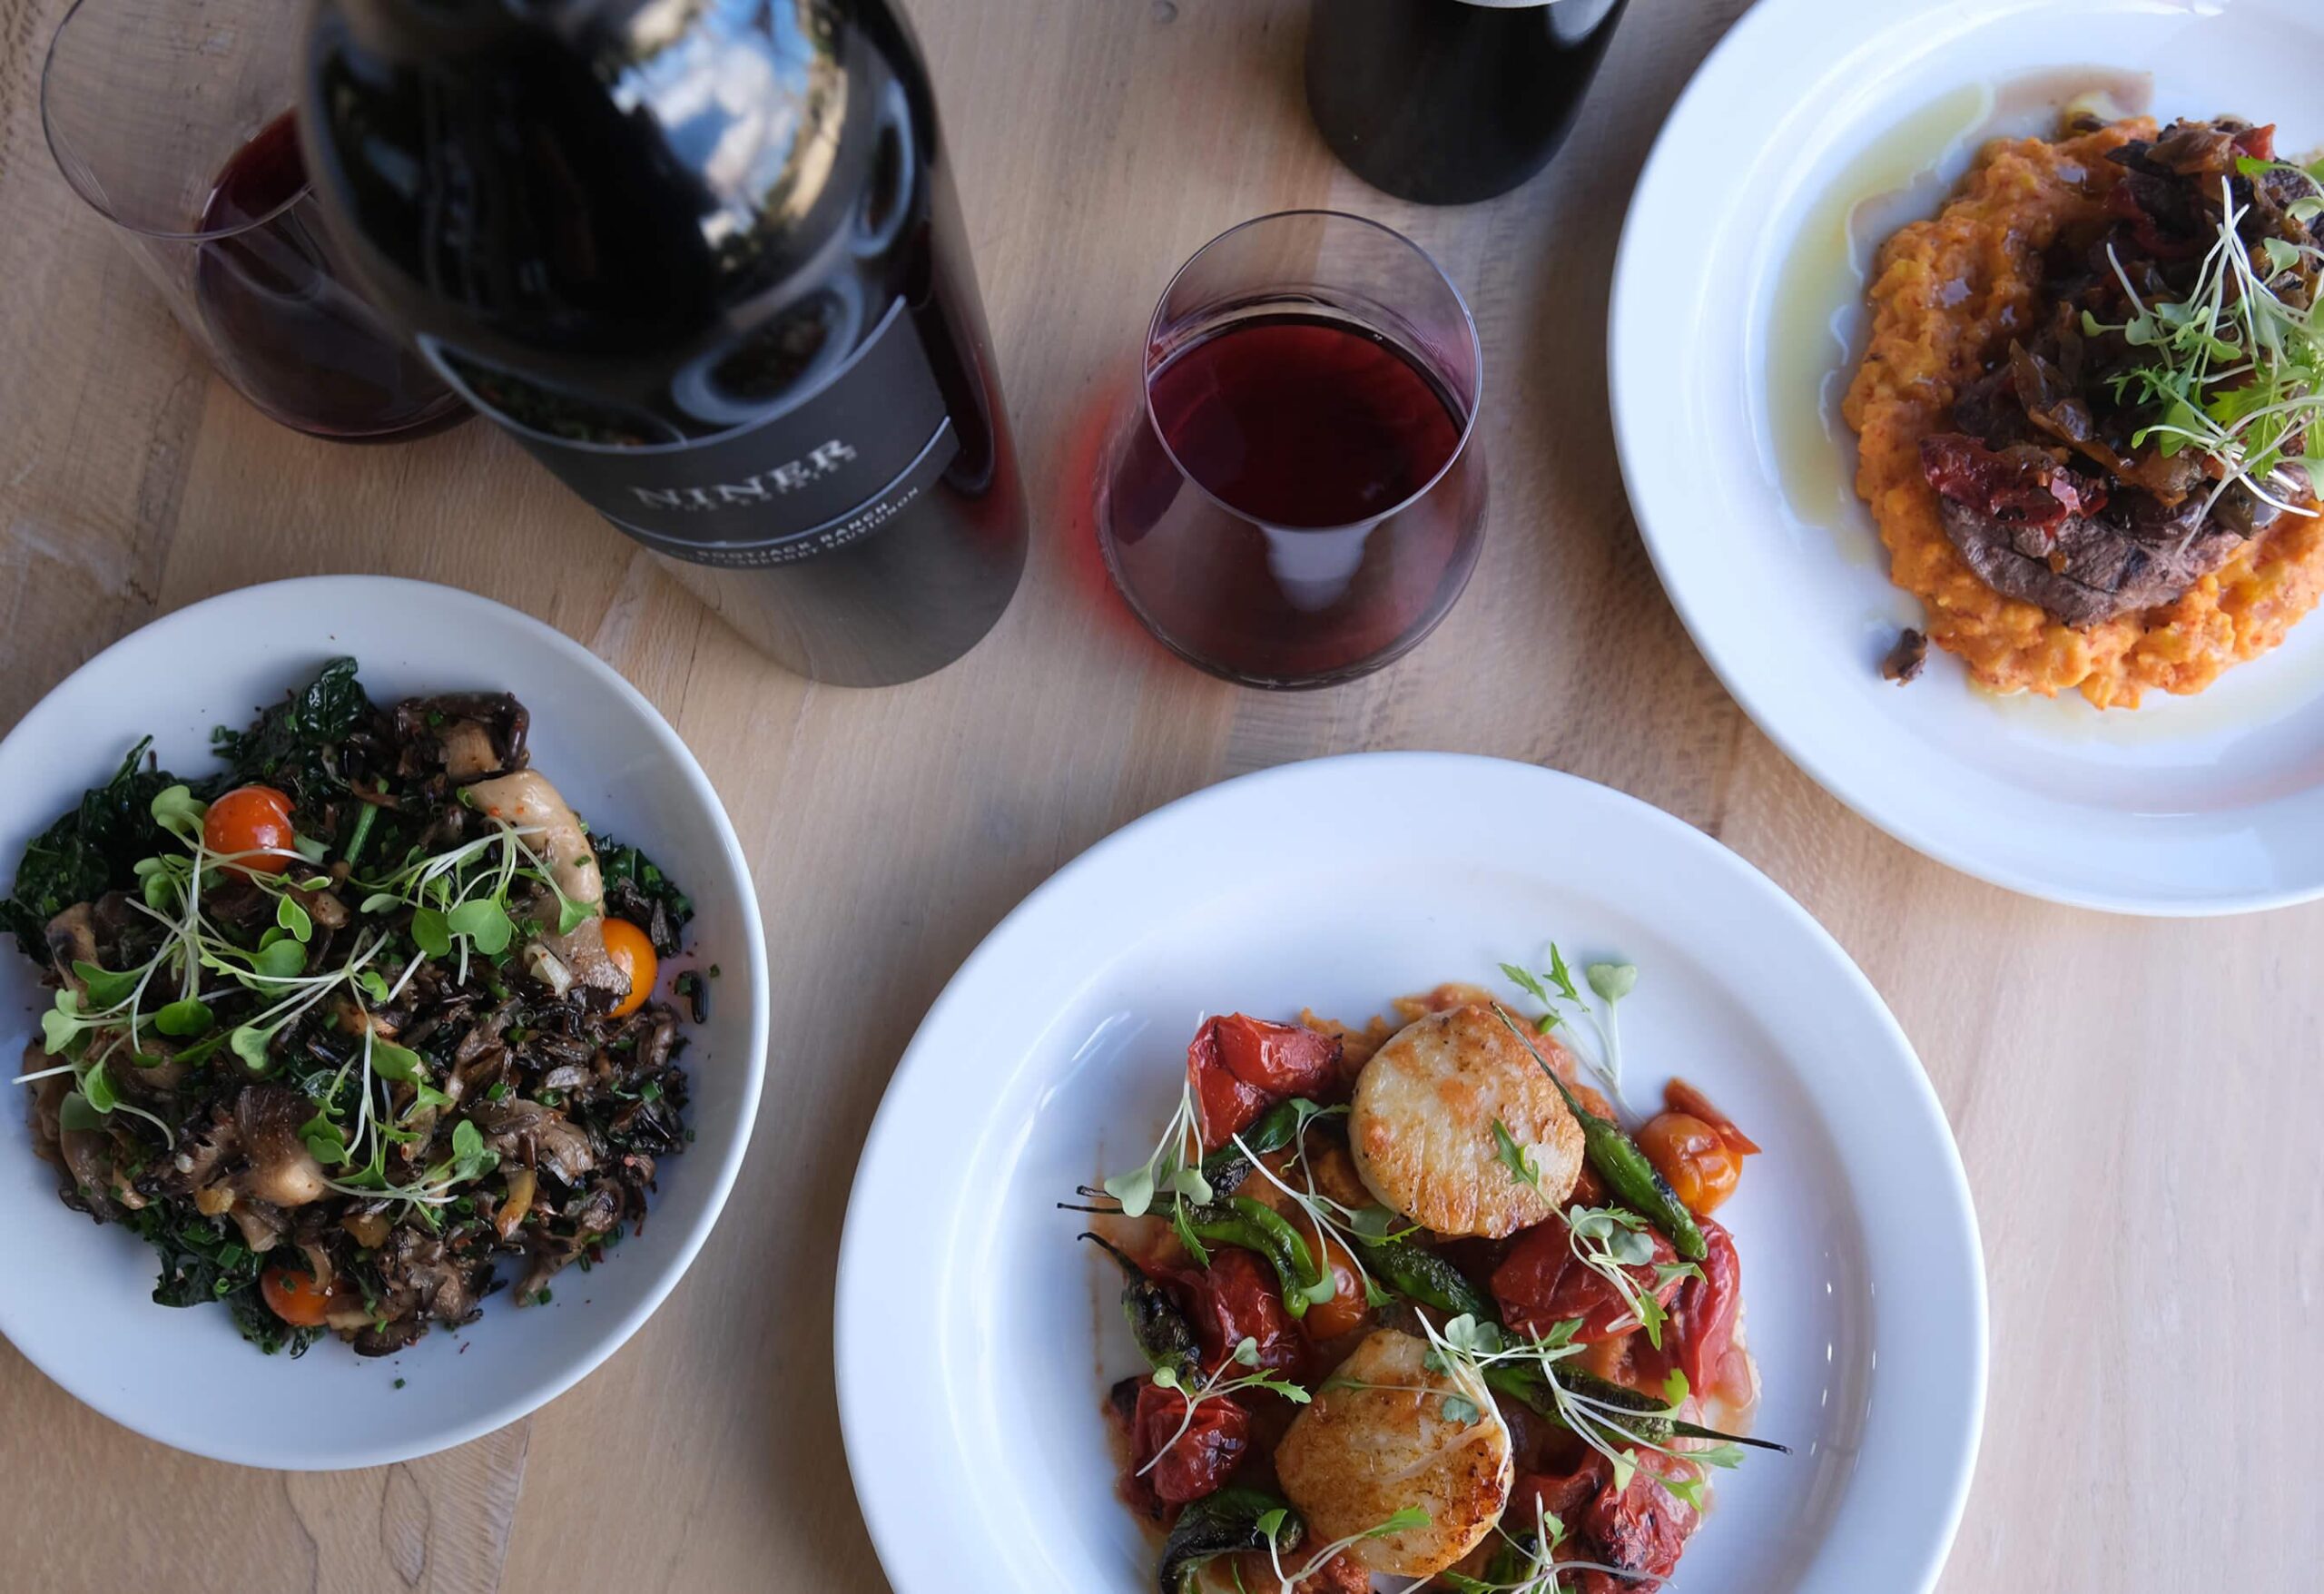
<point>1295,497</point>
<point>172,118</point>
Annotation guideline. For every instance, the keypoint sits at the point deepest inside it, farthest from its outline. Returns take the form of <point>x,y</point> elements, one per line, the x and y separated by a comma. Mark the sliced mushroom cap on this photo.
<point>282,1171</point>
<point>468,733</point>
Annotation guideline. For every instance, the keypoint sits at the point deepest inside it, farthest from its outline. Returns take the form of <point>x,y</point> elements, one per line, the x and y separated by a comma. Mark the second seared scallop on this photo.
<point>1391,1433</point>
<point>1423,1127</point>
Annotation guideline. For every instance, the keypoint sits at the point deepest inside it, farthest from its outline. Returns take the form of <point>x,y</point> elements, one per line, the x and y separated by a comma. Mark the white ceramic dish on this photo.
<point>2195,805</point>
<point>78,1297</point>
<point>975,1338</point>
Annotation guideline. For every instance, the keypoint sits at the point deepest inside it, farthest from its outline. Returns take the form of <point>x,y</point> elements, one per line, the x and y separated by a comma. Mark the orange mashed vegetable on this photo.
<point>1947,296</point>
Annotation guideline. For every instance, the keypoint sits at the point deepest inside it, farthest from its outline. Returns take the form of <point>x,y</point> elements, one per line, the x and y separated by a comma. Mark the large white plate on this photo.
<point>975,1338</point>
<point>2196,805</point>
<point>77,1300</point>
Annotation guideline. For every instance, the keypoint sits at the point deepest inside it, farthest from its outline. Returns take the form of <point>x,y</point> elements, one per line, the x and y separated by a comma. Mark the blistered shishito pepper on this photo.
<point>1164,1336</point>
<point>1629,1178</point>
<point>1225,1523</point>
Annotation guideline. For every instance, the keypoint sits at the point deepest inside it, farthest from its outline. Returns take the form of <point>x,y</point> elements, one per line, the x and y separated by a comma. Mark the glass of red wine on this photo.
<point>169,117</point>
<point>1294,498</point>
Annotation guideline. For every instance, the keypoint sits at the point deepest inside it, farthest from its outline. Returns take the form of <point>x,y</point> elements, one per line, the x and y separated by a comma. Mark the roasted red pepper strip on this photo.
<point>1703,1315</point>
<point>1241,1066</point>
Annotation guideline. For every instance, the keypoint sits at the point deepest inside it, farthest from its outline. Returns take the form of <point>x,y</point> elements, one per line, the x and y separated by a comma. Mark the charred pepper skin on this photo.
<point>1632,1180</point>
<point>1223,1524</point>
<point>1164,1338</point>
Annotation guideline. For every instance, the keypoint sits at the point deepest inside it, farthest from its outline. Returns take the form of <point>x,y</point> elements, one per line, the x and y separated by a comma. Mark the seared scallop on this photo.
<point>1422,1128</point>
<point>1358,1455</point>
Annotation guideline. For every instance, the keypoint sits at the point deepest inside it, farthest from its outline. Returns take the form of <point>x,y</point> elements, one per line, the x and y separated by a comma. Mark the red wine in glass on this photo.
<point>1299,511</point>
<point>295,336</point>
<point>1302,420</point>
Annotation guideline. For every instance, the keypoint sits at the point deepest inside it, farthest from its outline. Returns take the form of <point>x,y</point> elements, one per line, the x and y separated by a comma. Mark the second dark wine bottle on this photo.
<point>703,260</point>
<point>1449,102</point>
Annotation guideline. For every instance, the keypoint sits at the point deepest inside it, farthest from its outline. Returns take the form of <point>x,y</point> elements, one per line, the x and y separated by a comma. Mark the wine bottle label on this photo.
<point>818,475</point>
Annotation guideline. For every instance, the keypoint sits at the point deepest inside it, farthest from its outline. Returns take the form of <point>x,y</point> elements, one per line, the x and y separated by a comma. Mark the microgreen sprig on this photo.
<point>1555,990</point>
<point>1175,1164</point>
<point>2237,371</point>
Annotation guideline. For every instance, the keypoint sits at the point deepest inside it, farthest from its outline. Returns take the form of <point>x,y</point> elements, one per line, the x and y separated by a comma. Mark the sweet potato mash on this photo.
<point>1948,297</point>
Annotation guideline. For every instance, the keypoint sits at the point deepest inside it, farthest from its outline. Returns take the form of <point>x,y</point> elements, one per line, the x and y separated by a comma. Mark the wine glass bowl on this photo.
<point>170,118</point>
<point>1293,497</point>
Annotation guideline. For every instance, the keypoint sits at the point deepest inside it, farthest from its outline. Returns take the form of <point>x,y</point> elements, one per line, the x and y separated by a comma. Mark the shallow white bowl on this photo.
<point>975,1338</point>
<point>78,1302</point>
<point>2207,805</point>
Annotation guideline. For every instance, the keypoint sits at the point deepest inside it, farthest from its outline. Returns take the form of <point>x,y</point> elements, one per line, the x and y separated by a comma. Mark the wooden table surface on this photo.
<point>2137,1102</point>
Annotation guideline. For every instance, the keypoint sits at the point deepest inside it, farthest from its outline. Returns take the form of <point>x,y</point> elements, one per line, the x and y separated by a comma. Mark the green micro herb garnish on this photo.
<point>2234,371</point>
<point>1555,990</point>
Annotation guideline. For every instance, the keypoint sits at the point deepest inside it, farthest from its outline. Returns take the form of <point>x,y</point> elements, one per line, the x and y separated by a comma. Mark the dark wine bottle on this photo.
<point>1449,102</point>
<point>703,260</point>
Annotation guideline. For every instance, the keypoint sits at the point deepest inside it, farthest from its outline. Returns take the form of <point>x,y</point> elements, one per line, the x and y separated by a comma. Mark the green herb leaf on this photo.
<point>1560,976</point>
<point>1459,1409</point>
<point>249,1045</point>
<point>572,915</point>
<point>60,1023</point>
<point>485,924</point>
<point>1517,1159</point>
<point>391,1061</point>
<point>183,1019</point>
<point>293,918</point>
<point>430,932</point>
<point>1613,981</point>
<point>177,810</point>
<point>284,960</point>
<point>106,989</point>
<point>99,1089</point>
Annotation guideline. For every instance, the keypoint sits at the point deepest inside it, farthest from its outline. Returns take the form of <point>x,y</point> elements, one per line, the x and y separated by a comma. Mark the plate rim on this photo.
<point>856,1292</point>
<point>1663,172</point>
<point>345,590</point>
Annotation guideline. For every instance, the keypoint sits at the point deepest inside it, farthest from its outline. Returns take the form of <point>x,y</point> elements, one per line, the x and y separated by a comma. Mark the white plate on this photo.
<point>975,1338</point>
<point>78,1299</point>
<point>2207,805</point>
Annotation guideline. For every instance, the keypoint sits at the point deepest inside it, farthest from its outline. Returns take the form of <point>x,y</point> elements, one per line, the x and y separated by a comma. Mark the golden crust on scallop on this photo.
<point>1357,1456</point>
<point>1422,1127</point>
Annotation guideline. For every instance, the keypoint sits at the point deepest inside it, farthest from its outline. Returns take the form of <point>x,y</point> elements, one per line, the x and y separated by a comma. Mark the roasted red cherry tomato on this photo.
<point>1541,1282</point>
<point>1345,1312</point>
<point>1235,1299</point>
<point>255,821</point>
<point>1242,1065</point>
<point>1643,1528</point>
<point>1192,1463</point>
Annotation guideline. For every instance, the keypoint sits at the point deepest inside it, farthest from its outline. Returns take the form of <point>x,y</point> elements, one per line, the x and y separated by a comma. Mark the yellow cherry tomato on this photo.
<point>298,1299</point>
<point>1701,1166</point>
<point>627,945</point>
